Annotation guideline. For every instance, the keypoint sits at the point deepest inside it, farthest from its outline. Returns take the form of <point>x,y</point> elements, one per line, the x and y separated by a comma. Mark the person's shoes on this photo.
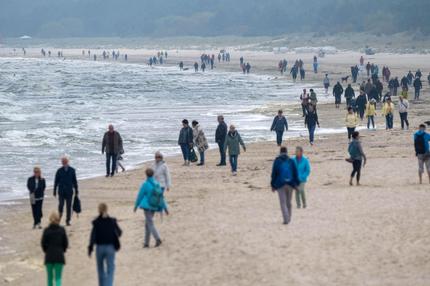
<point>68,223</point>
<point>112,174</point>
<point>158,243</point>
<point>221,164</point>
<point>146,246</point>
<point>39,226</point>
<point>107,176</point>
<point>234,173</point>
<point>200,164</point>
<point>299,207</point>
<point>304,206</point>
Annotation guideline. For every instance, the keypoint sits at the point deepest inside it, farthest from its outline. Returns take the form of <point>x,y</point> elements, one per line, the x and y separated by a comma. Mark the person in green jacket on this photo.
<point>232,143</point>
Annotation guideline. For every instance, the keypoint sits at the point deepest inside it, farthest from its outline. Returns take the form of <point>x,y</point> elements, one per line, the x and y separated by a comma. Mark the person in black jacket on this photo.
<point>311,122</point>
<point>337,93</point>
<point>54,245</point>
<point>36,186</point>
<point>220,134</point>
<point>349,95</point>
<point>105,234</point>
<point>185,140</point>
<point>65,183</point>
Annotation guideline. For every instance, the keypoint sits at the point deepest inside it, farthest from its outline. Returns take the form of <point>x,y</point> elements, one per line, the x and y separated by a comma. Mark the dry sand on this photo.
<point>226,230</point>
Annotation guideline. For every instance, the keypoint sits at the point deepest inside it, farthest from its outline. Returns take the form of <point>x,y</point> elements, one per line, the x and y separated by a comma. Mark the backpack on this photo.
<point>420,144</point>
<point>287,173</point>
<point>155,200</point>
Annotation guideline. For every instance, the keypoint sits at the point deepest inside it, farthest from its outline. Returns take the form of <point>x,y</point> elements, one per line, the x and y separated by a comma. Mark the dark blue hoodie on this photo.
<point>278,181</point>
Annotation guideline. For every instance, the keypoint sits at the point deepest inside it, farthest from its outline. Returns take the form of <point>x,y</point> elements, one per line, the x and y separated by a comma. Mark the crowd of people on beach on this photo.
<point>288,177</point>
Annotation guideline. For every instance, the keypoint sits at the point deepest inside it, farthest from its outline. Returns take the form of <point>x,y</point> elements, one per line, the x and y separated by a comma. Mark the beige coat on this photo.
<point>199,139</point>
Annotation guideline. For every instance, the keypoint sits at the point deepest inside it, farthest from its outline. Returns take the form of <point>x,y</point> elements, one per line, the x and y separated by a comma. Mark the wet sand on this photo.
<point>226,230</point>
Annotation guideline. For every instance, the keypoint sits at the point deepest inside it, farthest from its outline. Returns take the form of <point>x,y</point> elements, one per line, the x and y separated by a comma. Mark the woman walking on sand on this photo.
<point>200,141</point>
<point>105,234</point>
<point>161,172</point>
<point>357,157</point>
<point>311,122</point>
<point>36,186</point>
<point>351,122</point>
<point>54,245</point>
<point>186,141</point>
<point>232,143</point>
<point>151,200</point>
<point>370,113</point>
<point>388,112</point>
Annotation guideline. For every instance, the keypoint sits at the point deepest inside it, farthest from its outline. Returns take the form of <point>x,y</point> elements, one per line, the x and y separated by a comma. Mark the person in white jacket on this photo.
<point>161,172</point>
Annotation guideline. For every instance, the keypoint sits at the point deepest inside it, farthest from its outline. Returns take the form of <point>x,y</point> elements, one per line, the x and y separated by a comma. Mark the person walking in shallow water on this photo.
<point>284,180</point>
<point>105,235</point>
<point>151,200</point>
<point>357,157</point>
<point>112,145</point>
<point>303,172</point>
<point>36,186</point>
<point>233,141</point>
<point>54,245</point>
<point>279,125</point>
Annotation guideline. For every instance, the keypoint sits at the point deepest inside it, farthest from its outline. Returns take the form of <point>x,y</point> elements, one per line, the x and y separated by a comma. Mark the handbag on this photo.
<point>193,156</point>
<point>77,205</point>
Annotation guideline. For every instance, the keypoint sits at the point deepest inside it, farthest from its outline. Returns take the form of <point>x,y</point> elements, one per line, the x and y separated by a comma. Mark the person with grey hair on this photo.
<point>303,172</point>
<point>112,144</point>
<point>233,141</point>
<point>161,172</point>
<point>66,184</point>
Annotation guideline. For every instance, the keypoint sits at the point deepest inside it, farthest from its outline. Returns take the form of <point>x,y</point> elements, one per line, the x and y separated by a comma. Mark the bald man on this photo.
<point>65,183</point>
<point>112,145</point>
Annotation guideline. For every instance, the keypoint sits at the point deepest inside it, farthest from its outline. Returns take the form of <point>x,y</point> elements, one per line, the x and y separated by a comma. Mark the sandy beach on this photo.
<point>226,230</point>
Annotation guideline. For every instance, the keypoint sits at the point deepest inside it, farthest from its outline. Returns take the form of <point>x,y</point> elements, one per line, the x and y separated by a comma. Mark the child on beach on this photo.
<point>351,122</point>
<point>357,157</point>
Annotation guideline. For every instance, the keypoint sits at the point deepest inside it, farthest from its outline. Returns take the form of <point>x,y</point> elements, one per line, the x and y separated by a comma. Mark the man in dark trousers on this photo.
<point>65,184</point>
<point>112,144</point>
<point>279,125</point>
<point>220,134</point>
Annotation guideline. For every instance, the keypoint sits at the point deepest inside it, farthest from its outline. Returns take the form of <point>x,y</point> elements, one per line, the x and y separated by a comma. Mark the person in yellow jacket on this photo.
<point>388,111</point>
<point>351,122</point>
<point>371,113</point>
<point>404,93</point>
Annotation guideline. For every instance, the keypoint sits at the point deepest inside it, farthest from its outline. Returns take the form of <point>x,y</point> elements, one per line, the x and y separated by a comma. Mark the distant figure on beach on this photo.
<point>304,98</point>
<point>313,97</point>
<point>417,86</point>
<point>105,235</point>
<point>186,141</point>
<point>200,141</point>
<point>428,78</point>
<point>315,64</point>
<point>248,68</point>
<point>279,125</point>
<point>403,112</point>
<point>284,180</point>
<point>361,61</point>
<point>303,171</point>
<point>203,67</point>
<point>371,113</point>
<point>36,187</point>
<point>351,122</point>
<point>181,65</point>
<point>151,200</point>
<point>54,245</point>
<point>294,72</point>
<point>422,151</point>
<point>161,172</point>
<point>112,145</point>
<point>326,83</point>
<point>233,141</point>
<point>220,135</point>
<point>311,122</point>
<point>66,185</point>
<point>388,112</point>
<point>357,157</point>
<point>337,93</point>
<point>349,95</point>
<point>360,104</point>
<point>196,67</point>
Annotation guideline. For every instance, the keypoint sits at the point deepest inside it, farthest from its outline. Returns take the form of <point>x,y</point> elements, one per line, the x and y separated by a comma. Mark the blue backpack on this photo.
<point>156,198</point>
<point>287,172</point>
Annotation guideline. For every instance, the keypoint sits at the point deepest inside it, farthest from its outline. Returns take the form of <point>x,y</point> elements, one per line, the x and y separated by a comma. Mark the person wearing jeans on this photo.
<point>311,121</point>
<point>54,245</point>
<point>112,145</point>
<point>279,124</point>
<point>186,141</point>
<point>105,234</point>
<point>403,112</point>
<point>151,200</point>
<point>283,180</point>
<point>370,113</point>
<point>303,171</point>
<point>351,122</point>
<point>388,110</point>
<point>232,143</point>
<point>220,134</point>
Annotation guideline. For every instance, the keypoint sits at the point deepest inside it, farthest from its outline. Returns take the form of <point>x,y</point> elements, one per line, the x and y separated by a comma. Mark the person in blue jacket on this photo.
<point>284,181</point>
<point>151,200</point>
<point>279,125</point>
<point>303,171</point>
<point>422,151</point>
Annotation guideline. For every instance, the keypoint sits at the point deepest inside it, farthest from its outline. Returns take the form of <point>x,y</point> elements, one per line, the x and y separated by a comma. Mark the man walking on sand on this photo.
<point>422,151</point>
<point>284,180</point>
<point>112,144</point>
<point>303,171</point>
<point>220,134</point>
<point>279,125</point>
<point>65,183</point>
